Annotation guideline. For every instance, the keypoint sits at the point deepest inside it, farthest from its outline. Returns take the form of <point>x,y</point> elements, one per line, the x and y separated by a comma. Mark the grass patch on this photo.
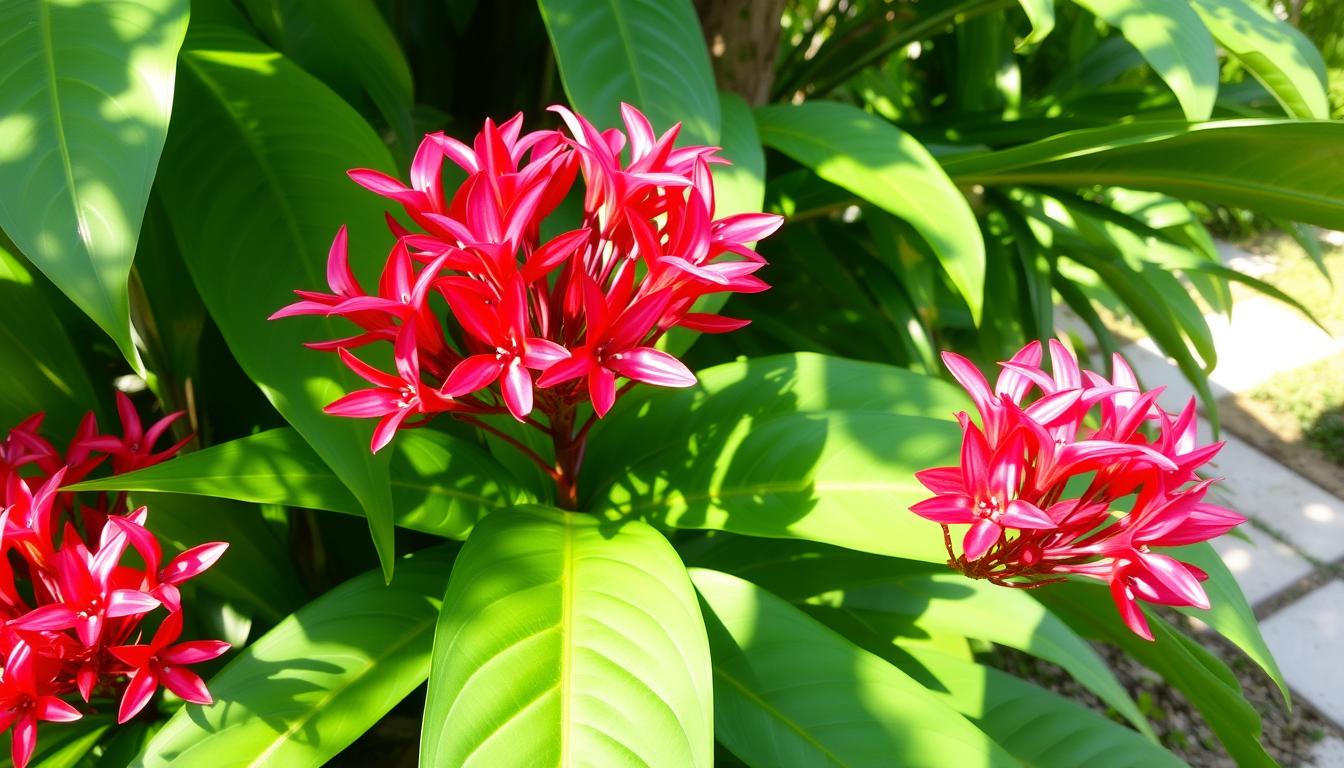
<point>1296,275</point>
<point>1312,397</point>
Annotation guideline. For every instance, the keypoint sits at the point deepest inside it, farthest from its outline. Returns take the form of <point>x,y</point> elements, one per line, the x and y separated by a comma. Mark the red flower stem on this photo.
<point>528,452</point>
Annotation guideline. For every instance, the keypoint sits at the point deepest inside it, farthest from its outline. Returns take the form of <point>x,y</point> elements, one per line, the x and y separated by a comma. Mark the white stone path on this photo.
<point>1297,527</point>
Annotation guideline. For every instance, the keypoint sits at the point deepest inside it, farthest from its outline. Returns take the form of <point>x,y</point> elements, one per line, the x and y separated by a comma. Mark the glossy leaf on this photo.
<point>791,692</point>
<point>1274,51</point>
<point>949,603</point>
<point>650,420</point>
<point>1174,42</point>
<point>649,53</point>
<point>1231,616</point>
<point>793,446</point>
<point>885,166</point>
<point>85,94</point>
<point>316,682</point>
<point>566,642</point>
<point>440,484</point>
<point>1036,726</point>
<point>1041,14</point>
<point>42,371</point>
<point>1289,174</point>
<point>254,186</point>
<point>1204,680</point>
<point>349,46</point>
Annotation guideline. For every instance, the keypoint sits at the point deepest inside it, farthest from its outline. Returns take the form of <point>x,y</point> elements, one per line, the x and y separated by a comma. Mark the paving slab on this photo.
<point>1262,566</point>
<point>1263,338</point>
<point>1308,516</point>
<point>1305,638</point>
<point>1328,754</point>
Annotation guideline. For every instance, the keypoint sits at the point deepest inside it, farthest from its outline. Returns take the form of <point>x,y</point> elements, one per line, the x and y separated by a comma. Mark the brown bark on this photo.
<point>743,36</point>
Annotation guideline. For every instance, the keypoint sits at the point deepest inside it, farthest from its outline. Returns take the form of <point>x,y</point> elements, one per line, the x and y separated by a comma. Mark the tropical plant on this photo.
<point>620,541</point>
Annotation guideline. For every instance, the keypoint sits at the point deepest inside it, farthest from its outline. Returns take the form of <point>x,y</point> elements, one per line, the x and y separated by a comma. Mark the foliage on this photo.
<point>728,562</point>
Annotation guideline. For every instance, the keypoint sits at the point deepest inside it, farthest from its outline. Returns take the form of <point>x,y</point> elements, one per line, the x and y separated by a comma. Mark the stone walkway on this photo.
<point>1291,566</point>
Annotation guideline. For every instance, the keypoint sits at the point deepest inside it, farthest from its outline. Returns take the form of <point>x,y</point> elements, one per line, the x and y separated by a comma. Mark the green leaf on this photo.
<point>650,420</point>
<point>254,186</point>
<point>85,93</point>
<point>648,53</point>
<point>316,682</point>
<point>791,692</point>
<point>256,571</point>
<point>1279,167</point>
<point>885,166</point>
<point>42,371</point>
<point>1041,14</point>
<point>349,46</point>
<point>1206,682</point>
<point>1274,51</point>
<point>1174,42</point>
<point>1038,727</point>
<point>738,188</point>
<point>440,484</point>
<point>1231,616</point>
<point>950,603</point>
<point>563,641</point>
<point>757,450</point>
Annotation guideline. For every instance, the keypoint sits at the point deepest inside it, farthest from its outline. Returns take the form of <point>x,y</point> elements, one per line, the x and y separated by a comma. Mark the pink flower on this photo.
<point>23,703</point>
<point>1043,489</point>
<point>538,324</point>
<point>163,662</point>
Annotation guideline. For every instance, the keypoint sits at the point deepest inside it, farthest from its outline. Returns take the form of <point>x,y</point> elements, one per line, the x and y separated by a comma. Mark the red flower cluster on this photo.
<point>72,611</point>
<point>552,321</point>
<point>1130,489</point>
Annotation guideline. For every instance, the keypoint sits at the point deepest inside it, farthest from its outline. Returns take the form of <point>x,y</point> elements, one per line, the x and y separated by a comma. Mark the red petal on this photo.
<point>474,373</point>
<point>366,403</point>
<point>651,366</point>
<point>193,562</point>
<point>1024,514</point>
<point>130,602</point>
<point>948,510</point>
<point>186,684</point>
<point>980,538</point>
<point>518,390</point>
<point>1129,608</point>
<point>54,710</point>
<point>541,354</point>
<point>194,652</point>
<point>137,695</point>
<point>602,389</point>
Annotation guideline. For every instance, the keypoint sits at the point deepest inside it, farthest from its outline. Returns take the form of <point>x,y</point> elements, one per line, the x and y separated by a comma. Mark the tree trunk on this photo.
<point>743,36</point>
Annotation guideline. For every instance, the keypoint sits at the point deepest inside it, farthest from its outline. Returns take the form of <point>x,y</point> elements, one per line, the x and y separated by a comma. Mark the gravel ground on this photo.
<point>1287,736</point>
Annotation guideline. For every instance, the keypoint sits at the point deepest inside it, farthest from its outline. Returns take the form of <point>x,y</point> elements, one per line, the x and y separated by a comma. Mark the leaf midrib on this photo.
<point>63,149</point>
<point>772,711</point>
<point>317,707</point>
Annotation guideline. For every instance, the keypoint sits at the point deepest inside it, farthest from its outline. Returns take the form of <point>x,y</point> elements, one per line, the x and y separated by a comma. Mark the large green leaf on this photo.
<point>885,166</point>
<point>1038,727</point>
<point>85,93</point>
<point>1231,616</point>
<point>949,603</point>
<point>649,420</point>
<point>649,53</point>
<point>1204,680</point>
<point>349,46</point>
<point>1290,172</point>
<point>800,446</point>
<point>440,484</point>
<point>1274,51</point>
<point>1041,14</point>
<point>42,371</point>
<point>790,692</point>
<point>564,642</point>
<point>254,186</point>
<point>1174,42</point>
<point>316,682</point>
